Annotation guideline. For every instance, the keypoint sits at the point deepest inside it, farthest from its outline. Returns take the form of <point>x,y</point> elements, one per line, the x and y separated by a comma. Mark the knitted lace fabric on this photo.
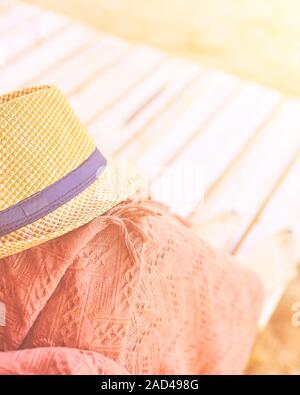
<point>135,287</point>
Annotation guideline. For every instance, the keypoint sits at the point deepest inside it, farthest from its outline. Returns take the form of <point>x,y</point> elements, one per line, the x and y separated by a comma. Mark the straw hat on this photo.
<point>53,179</point>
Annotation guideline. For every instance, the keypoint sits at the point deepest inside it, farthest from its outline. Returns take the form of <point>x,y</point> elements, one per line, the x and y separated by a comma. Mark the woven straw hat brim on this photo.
<point>42,143</point>
<point>116,184</point>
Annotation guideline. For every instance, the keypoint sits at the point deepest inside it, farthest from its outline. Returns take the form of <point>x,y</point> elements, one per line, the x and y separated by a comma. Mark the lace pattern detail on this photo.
<point>137,286</point>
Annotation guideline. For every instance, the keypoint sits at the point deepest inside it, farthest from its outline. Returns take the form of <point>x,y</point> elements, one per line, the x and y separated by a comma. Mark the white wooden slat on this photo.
<point>281,212</point>
<point>97,56</point>
<point>42,58</point>
<point>143,103</point>
<point>270,305</point>
<point>249,182</point>
<point>160,141</point>
<point>274,260</point>
<point>28,34</point>
<point>101,92</point>
<point>16,14</point>
<point>218,144</point>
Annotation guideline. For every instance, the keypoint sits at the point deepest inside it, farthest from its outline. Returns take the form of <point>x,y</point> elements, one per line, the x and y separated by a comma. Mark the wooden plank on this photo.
<point>208,155</point>
<point>92,60</point>
<point>27,69</point>
<point>274,259</point>
<point>278,214</point>
<point>219,230</point>
<point>125,120</point>
<point>249,182</point>
<point>270,305</point>
<point>102,92</point>
<point>29,34</point>
<point>282,212</point>
<point>158,142</point>
<point>15,14</point>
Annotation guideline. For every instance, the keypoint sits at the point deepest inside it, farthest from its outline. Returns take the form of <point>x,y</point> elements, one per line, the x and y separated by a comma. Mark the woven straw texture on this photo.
<point>41,141</point>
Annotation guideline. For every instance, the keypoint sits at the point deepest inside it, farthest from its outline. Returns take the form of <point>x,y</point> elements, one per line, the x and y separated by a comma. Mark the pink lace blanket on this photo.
<point>134,291</point>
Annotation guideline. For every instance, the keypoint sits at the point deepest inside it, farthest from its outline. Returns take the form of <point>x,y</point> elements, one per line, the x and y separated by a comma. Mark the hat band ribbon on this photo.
<point>49,199</point>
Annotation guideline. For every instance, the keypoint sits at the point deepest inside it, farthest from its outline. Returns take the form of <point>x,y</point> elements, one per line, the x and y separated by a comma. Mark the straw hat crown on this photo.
<point>52,176</point>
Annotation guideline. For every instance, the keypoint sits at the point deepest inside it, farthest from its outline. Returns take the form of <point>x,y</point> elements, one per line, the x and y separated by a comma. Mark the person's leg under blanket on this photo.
<point>135,285</point>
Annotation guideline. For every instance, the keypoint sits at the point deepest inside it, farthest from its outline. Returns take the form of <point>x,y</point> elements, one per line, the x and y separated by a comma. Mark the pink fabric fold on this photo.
<point>134,291</point>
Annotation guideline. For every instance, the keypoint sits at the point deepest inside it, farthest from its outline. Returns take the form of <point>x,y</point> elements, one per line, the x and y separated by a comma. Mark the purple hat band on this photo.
<point>44,202</point>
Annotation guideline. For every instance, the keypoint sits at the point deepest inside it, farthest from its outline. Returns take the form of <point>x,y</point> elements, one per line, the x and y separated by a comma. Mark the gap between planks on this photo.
<point>251,140</point>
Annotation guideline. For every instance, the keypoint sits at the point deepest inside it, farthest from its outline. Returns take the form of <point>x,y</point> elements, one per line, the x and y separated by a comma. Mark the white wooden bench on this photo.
<point>234,141</point>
